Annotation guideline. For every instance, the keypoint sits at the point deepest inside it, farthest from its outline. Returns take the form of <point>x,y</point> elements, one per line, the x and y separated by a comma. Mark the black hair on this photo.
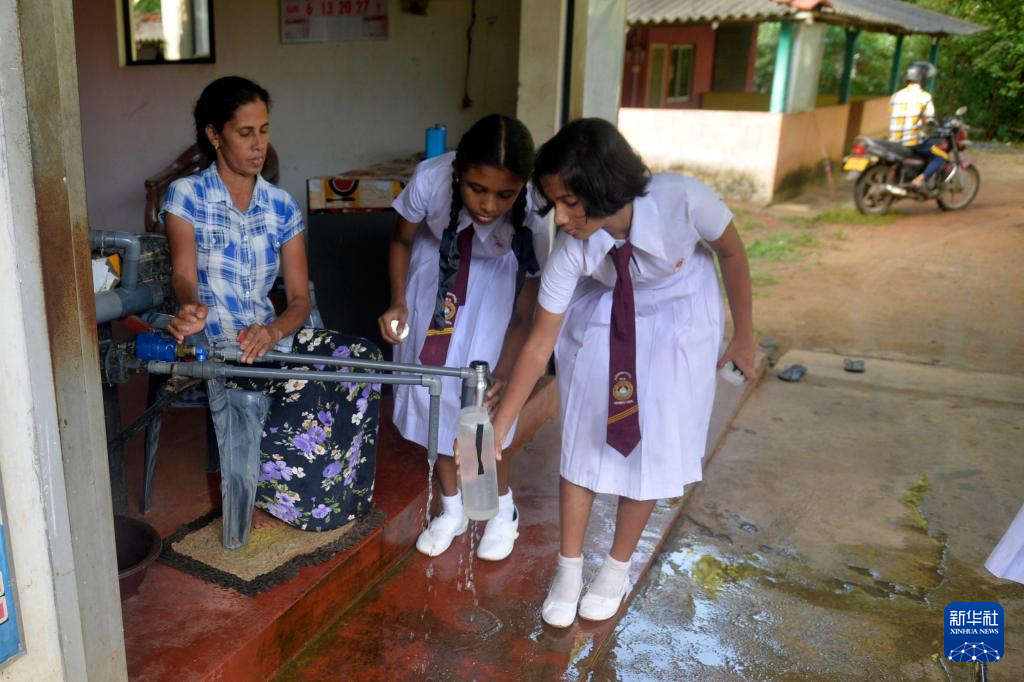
<point>500,142</point>
<point>218,104</point>
<point>595,162</point>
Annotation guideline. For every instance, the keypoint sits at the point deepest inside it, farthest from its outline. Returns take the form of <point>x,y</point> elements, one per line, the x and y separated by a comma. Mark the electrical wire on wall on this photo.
<point>467,102</point>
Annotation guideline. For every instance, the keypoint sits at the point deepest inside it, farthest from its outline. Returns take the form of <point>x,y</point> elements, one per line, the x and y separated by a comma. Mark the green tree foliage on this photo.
<point>146,6</point>
<point>872,61</point>
<point>984,71</point>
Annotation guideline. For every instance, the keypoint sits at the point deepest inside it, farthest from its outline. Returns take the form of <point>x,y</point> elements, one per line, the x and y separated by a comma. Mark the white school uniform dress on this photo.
<point>1007,559</point>
<point>482,320</point>
<point>679,328</point>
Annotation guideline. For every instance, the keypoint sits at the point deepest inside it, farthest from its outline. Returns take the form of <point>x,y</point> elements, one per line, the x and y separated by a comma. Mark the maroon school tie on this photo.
<point>623,406</point>
<point>439,333</point>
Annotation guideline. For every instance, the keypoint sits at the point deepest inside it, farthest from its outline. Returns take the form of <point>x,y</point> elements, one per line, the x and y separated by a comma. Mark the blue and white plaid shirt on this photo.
<point>236,253</point>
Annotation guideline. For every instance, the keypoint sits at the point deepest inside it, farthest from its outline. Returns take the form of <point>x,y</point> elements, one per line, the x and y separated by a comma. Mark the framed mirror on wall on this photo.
<point>168,31</point>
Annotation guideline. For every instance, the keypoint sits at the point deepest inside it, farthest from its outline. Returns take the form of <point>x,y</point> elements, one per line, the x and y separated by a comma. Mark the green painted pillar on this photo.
<point>846,82</point>
<point>894,76</point>
<point>933,57</point>
<point>783,65</point>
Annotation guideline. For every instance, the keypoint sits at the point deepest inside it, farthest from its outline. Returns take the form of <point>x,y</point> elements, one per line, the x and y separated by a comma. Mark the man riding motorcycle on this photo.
<point>910,111</point>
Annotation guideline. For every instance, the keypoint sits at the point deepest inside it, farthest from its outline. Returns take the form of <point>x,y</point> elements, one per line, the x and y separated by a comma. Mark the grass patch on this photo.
<point>838,235</point>
<point>760,278</point>
<point>842,215</point>
<point>744,221</point>
<point>781,246</point>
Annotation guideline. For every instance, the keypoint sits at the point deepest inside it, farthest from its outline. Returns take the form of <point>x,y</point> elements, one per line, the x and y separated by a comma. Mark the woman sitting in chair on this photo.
<point>230,233</point>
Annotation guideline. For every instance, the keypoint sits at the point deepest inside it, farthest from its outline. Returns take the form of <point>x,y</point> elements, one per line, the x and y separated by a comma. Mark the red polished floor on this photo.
<point>457,617</point>
<point>178,627</point>
<point>413,617</point>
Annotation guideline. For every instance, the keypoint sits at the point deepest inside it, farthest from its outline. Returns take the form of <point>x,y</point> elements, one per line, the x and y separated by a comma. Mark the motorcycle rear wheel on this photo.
<point>954,199</point>
<point>869,193</point>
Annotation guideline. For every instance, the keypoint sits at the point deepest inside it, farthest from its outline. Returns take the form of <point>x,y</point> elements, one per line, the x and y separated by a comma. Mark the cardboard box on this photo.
<point>369,189</point>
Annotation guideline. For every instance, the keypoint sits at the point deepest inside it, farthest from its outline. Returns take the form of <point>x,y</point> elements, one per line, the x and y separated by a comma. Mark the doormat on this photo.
<point>273,555</point>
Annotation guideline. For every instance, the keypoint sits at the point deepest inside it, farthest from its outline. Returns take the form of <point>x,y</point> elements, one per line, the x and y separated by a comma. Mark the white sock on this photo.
<point>568,582</point>
<point>610,578</point>
<point>506,507</point>
<point>452,506</point>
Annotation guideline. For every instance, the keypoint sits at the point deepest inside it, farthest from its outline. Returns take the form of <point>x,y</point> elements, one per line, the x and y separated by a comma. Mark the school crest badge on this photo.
<point>622,387</point>
<point>451,306</point>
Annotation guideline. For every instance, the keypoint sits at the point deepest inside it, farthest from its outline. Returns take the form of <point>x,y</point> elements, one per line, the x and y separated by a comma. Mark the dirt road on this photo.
<point>934,286</point>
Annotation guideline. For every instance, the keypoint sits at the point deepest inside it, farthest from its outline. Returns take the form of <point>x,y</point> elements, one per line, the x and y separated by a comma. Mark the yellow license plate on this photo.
<point>855,163</point>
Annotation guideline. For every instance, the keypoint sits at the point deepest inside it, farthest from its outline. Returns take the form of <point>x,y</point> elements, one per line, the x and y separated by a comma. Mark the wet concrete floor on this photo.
<point>839,518</point>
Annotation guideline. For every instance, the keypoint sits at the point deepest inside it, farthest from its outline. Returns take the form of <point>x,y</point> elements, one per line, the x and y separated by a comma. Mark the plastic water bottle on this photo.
<point>732,374</point>
<point>477,468</point>
<point>437,140</point>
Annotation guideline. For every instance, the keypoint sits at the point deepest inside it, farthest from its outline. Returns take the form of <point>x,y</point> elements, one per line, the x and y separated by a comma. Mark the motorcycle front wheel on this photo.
<point>958,191</point>
<point>869,193</point>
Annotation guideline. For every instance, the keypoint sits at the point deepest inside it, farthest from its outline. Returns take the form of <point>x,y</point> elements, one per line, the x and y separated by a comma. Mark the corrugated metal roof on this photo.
<point>700,11</point>
<point>876,15</point>
<point>901,16</point>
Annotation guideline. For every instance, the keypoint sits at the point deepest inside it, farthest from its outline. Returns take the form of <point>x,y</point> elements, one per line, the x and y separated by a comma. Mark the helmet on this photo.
<point>920,72</point>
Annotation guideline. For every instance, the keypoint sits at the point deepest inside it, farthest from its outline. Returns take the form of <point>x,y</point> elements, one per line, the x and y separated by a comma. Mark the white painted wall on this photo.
<point>805,66</point>
<point>30,455</point>
<point>337,106</point>
<point>542,46</point>
<point>599,47</point>
<point>714,145</point>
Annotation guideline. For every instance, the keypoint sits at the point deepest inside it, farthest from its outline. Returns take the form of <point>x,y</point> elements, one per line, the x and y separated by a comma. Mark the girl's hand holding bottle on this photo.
<point>494,393</point>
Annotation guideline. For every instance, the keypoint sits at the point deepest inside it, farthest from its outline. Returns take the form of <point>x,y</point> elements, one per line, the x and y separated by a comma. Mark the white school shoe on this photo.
<point>559,609</point>
<point>439,533</point>
<point>604,597</point>
<point>499,537</point>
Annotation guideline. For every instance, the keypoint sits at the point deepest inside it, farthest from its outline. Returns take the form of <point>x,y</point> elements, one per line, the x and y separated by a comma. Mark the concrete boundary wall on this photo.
<point>806,139</point>
<point>735,152</point>
<point>751,155</point>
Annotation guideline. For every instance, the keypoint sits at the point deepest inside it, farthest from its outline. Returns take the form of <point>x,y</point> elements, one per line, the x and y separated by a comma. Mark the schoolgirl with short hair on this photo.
<point>630,305</point>
<point>464,267</point>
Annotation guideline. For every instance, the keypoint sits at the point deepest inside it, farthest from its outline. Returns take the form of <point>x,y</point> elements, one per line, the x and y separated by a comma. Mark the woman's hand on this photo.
<point>256,340</point>
<point>396,313</point>
<point>741,352</point>
<point>190,319</point>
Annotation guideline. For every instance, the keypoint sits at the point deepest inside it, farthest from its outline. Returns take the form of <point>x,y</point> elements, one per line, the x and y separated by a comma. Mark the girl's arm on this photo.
<point>515,337</point>
<point>399,255</point>
<point>257,339</point>
<point>191,315</point>
<point>529,367</point>
<point>736,275</point>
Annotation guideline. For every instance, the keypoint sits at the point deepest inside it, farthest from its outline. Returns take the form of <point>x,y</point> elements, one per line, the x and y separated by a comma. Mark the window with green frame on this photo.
<point>680,78</point>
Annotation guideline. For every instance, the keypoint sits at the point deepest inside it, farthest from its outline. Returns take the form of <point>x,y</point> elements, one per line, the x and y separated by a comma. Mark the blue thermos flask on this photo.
<point>436,140</point>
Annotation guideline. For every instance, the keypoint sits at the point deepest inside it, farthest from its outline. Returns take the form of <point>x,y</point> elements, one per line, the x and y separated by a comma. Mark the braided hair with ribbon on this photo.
<point>500,142</point>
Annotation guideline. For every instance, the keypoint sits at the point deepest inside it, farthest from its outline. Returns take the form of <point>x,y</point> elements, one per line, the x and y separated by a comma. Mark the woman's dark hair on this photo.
<point>500,142</point>
<point>218,104</point>
<point>595,162</point>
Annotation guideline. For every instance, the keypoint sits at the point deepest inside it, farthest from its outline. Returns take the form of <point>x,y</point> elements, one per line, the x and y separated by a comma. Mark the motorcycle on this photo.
<point>884,170</point>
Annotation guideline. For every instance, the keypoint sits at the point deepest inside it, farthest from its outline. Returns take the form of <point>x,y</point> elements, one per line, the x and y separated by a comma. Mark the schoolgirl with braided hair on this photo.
<point>464,264</point>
